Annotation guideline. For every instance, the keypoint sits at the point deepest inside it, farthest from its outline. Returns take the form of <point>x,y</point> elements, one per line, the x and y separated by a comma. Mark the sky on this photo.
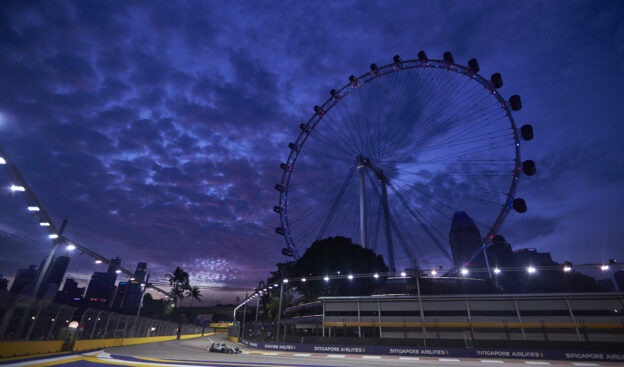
<point>157,128</point>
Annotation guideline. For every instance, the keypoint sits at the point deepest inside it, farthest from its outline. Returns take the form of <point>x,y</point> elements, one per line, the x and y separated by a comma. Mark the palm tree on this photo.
<point>194,293</point>
<point>179,282</point>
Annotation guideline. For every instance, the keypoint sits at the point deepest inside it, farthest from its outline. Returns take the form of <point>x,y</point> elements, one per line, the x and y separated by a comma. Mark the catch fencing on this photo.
<point>23,318</point>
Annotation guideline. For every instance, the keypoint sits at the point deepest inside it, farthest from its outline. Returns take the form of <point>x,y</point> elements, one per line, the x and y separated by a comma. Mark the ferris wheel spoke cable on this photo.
<point>438,103</point>
<point>473,150</point>
<point>452,134</point>
<point>460,115</point>
<point>421,221</point>
<point>334,206</point>
<point>377,228</point>
<point>473,137</point>
<point>425,199</point>
<point>405,246</point>
<point>444,205</point>
<point>331,141</point>
<point>413,189</point>
<point>408,248</point>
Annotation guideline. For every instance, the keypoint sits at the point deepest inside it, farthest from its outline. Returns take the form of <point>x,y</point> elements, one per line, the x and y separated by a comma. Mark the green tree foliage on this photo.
<point>194,293</point>
<point>333,256</point>
<point>179,282</point>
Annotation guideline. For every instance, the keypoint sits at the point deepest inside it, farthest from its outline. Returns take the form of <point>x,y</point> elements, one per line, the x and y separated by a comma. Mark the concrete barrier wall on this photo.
<point>82,345</point>
<point>14,349</point>
<point>26,348</point>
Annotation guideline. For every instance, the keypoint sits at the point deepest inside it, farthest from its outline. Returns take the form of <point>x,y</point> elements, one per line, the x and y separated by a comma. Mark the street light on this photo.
<point>17,188</point>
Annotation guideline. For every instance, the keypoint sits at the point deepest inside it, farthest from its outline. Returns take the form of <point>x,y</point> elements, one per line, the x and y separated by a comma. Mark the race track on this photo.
<point>193,353</point>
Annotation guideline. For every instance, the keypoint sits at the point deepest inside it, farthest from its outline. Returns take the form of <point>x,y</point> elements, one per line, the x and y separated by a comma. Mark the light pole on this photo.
<point>279,309</point>
<point>242,334</point>
<point>420,306</point>
<point>143,291</point>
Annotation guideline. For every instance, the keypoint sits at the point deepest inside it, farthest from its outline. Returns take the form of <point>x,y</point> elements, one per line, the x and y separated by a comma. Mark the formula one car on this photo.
<point>223,348</point>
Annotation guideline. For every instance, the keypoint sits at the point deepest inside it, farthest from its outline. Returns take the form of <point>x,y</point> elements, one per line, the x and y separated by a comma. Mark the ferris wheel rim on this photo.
<point>357,82</point>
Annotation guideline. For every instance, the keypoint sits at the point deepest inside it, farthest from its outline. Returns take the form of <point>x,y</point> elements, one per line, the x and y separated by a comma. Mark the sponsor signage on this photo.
<point>439,352</point>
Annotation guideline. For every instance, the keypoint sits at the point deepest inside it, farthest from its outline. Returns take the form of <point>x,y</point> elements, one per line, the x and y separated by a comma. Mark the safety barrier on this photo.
<point>82,345</point>
<point>443,352</point>
<point>25,348</point>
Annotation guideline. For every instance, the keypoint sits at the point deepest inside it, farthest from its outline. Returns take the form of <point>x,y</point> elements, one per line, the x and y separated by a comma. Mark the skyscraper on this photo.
<point>25,279</point>
<point>71,294</point>
<point>53,278</point>
<point>465,239</point>
<point>101,288</point>
<point>139,273</point>
<point>128,296</point>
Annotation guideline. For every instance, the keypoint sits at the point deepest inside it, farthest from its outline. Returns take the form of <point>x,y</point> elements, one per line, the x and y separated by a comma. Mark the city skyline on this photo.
<point>158,129</point>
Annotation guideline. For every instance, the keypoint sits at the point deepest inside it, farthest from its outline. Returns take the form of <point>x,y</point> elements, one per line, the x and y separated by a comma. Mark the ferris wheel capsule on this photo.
<point>422,56</point>
<point>519,205</point>
<point>528,167</point>
<point>305,127</point>
<point>527,132</point>
<point>515,102</point>
<point>294,147</point>
<point>448,57</point>
<point>497,80</point>
<point>473,64</point>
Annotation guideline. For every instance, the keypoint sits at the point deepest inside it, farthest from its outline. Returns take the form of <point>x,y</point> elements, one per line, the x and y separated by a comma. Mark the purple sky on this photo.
<point>158,128</point>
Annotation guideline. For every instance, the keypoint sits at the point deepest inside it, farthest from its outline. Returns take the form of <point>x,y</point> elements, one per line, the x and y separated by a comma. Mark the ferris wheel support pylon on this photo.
<point>362,170</point>
<point>362,164</point>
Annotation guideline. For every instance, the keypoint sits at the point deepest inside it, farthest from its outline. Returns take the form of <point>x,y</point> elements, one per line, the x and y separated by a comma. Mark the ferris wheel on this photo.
<point>389,158</point>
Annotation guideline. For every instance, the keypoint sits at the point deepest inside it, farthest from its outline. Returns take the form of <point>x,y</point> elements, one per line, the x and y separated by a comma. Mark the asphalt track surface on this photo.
<point>193,353</point>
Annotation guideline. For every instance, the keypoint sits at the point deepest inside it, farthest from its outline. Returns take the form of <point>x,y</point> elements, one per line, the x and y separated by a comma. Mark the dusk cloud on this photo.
<point>158,128</point>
